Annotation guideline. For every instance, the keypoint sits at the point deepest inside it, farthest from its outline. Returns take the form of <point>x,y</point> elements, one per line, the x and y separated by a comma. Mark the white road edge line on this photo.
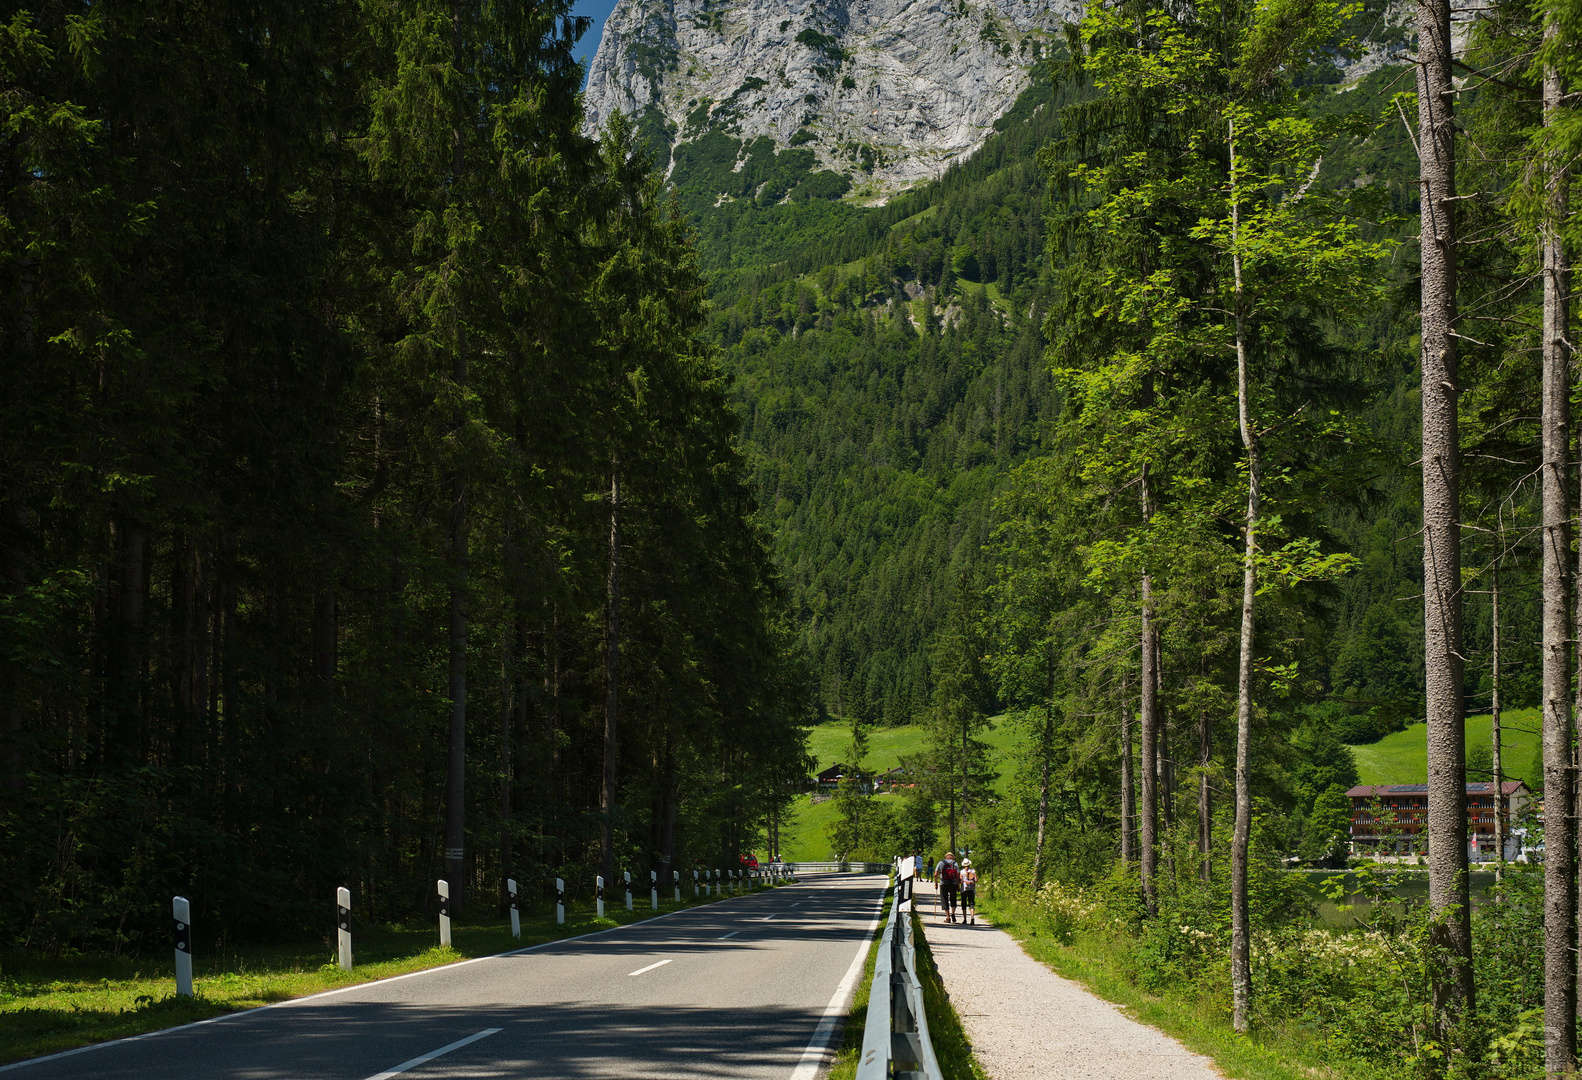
<point>629,974</point>
<point>432,1054</point>
<point>733,933</point>
<point>818,1047</point>
<point>289,1002</point>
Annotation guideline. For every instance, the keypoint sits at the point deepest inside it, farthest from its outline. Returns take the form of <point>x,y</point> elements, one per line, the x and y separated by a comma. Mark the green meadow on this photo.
<point>1402,758</point>
<point>806,835</point>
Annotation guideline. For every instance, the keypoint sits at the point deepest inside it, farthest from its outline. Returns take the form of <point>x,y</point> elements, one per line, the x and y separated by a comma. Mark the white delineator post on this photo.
<point>560,902</point>
<point>343,926</point>
<point>598,893</point>
<point>676,874</point>
<point>627,874</point>
<point>444,913</point>
<point>516,913</point>
<point>653,888</point>
<point>183,915</point>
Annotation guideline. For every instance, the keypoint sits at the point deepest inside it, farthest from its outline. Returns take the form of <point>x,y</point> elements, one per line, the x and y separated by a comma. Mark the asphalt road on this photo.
<point>737,989</point>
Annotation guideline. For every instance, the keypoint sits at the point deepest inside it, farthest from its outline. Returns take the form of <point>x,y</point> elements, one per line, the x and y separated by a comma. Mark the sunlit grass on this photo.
<point>1402,757</point>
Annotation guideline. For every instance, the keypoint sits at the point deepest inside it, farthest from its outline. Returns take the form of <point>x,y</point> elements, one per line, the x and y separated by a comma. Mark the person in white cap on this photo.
<point>969,892</point>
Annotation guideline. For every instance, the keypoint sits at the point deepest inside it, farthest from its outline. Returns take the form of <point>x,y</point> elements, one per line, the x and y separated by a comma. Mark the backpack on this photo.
<point>969,879</point>
<point>950,877</point>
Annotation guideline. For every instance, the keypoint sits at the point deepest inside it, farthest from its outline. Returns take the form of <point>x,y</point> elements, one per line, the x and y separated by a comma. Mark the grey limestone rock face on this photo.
<point>887,92</point>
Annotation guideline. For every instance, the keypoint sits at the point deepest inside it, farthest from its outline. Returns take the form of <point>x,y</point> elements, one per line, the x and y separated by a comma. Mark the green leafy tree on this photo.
<point>1327,838</point>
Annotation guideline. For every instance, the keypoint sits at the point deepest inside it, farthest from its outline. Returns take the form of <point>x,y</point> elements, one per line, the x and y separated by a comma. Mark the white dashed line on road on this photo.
<point>432,1054</point>
<point>733,933</point>
<point>650,967</point>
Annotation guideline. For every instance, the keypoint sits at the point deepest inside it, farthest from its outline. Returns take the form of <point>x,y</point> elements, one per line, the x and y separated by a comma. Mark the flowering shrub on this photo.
<point>1067,909</point>
<point>1355,987</point>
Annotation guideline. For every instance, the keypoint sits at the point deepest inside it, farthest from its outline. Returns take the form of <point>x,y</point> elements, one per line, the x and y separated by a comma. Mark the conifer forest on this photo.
<point>399,480</point>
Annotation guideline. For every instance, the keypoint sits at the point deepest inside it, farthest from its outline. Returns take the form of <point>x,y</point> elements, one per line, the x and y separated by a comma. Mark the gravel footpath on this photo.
<point>1027,1023</point>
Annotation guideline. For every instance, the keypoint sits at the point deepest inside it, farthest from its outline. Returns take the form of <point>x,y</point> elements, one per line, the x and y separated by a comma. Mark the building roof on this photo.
<point>1484,787</point>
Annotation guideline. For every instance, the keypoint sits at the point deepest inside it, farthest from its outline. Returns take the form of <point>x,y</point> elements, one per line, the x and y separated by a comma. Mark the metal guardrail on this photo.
<point>838,867</point>
<point>895,1041</point>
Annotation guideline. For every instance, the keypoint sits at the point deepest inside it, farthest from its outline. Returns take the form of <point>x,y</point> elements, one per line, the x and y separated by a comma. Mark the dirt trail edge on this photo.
<point>1027,1023</point>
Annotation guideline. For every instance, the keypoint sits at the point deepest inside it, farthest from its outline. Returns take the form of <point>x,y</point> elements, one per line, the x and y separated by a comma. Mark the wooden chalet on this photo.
<point>1392,819</point>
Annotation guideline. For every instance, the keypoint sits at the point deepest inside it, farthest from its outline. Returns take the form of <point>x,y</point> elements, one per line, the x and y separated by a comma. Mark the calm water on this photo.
<point>1409,885</point>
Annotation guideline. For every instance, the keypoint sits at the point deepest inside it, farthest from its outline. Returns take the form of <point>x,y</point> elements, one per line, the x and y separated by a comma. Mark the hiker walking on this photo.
<point>949,885</point>
<point>969,893</point>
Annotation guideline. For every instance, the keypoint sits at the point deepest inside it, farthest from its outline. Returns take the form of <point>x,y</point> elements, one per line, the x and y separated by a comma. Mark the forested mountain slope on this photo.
<point>888,374</point>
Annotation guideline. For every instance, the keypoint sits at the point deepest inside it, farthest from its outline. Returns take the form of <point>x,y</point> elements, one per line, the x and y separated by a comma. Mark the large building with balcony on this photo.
<point>1392,819</point>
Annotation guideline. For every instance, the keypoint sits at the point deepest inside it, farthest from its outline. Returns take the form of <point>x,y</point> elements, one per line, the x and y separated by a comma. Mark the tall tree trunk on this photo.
<point>612,660</point>
<point>1497,759</point>
<point>1205,809</point>
<point>552,693</point>
<point>1167,765</point>
<point>127,664</point>
<point>325,642</point>
<point>507,736</point>
<point>1240,921</point>
<point>1045,749</point>
<point>1448,896</point>
<point>1128,793</point>
<point>951,818</point>
<point>667,831</point>
<point>14,524</point>
<point>229,649</point>
<point>965,771</point>
<point>184,640</point>
<point>456,771</point>
<point>1148,713</point>
<point>202,652</point>
<point>1560,828</point>
<point>1043,808</point>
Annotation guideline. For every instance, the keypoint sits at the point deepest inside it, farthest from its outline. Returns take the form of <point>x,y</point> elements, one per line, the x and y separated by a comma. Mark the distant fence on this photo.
<point>836,867</point>
<point>895,1041</point>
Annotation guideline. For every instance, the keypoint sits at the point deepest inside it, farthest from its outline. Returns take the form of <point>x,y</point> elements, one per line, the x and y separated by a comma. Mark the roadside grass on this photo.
<point>945,1029</point>
<point>1201,1024</point>
<point>1402,757</point>
<point>50,1005</point>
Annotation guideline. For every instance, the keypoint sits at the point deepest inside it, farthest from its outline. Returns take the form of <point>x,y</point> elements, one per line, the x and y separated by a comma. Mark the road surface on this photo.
<point>735,989</point>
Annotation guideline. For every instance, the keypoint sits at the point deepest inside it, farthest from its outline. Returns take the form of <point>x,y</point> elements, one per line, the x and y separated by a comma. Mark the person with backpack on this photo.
<point>949,885</point>
<point>969,893</point>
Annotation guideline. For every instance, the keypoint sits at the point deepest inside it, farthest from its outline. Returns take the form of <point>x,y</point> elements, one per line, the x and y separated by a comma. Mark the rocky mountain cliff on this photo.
<point>884,93</point>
